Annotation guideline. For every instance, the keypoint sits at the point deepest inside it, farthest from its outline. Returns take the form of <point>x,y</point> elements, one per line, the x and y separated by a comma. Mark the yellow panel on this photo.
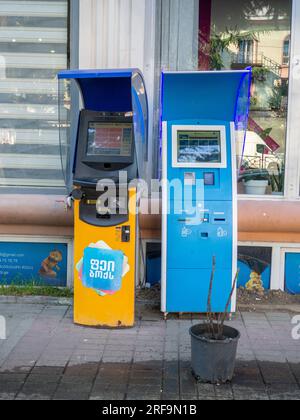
<point>117,310</point>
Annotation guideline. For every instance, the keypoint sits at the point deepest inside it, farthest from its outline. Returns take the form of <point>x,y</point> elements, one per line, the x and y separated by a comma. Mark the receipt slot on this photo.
<point>110,139</point>
<point>203,115</point>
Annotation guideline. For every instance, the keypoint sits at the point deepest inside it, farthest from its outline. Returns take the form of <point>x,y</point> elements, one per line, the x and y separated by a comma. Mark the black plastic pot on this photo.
<point>213,361</point>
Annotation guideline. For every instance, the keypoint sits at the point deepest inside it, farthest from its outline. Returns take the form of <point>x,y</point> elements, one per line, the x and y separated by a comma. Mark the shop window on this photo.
<point>218,34</point>
<point>255,267</point>
<point>33,48</point>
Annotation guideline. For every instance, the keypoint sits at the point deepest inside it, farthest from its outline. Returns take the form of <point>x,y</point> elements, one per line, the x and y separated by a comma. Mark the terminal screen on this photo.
<point>199,147</point>
<point>109,139</point>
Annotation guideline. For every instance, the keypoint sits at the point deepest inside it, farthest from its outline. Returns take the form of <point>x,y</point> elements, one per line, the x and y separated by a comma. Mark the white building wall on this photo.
<point>120,34</point>
<point>179,38</point>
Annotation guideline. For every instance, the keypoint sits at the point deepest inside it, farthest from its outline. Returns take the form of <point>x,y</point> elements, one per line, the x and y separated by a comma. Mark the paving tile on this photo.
<point>206,391</point>
<point>142,397</point>
<point>250,393</point>
<point>6,396</point>
<point>107,396</point>
<point>86,370</point>
<point>71,396</point>
<point>33,390</point>
<point>285,392</point>
<point>147,381</point>
<point>171,386</point>
<point>12,377</point>
<point>171,369</point>
<point>277,373</point>
<point>79,391</point>
<point>224,392</point>
<point>116,387</point>
<point>169,397</point>
<point>47,370</point>
<point>11,387</point>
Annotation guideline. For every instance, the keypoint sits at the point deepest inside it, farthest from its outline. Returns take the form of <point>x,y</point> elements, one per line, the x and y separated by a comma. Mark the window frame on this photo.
<point>246,51</point>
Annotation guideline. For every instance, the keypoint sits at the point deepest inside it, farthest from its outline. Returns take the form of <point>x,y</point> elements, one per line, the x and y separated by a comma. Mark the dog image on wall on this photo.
<point>50,266</point>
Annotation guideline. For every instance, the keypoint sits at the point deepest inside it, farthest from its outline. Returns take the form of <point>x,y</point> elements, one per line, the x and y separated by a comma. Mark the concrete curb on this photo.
<point>53,301</point>
<point>37,300</point>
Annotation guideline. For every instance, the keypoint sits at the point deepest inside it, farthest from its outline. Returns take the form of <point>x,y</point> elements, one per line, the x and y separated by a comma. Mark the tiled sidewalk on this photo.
<point>47,357</point>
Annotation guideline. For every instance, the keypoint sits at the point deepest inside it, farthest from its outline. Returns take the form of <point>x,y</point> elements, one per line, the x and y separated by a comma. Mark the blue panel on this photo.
<point>205,95</point>
<point>94,74</point>
<point>105,90</point>
<point>38,263</point>
<point>107,94</point>
<point>201,99</point>
<point>292,273</point>
<point>245,273</point>
<point>188,290</point>
<point>154,270</point>
<point>194,246</point>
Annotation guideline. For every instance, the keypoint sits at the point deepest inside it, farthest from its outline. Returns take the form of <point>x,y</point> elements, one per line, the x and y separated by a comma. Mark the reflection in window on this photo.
<point>258,34</point>
<point>218,34</point>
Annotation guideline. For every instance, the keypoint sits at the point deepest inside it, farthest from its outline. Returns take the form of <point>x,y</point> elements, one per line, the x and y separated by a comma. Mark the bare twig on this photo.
<point>223,318</point>
<point>219,324</point>
<point>215,322</point>
<point>210,317</point>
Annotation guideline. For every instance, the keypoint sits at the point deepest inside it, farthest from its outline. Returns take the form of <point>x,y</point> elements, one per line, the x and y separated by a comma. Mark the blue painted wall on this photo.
<point>245,273</point>
<point>292,273</point>
<point>27,263</point>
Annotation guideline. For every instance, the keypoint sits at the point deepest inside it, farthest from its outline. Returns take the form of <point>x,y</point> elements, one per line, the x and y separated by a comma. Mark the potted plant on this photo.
<point>260,74</point>
<point>214,345</point>
<point>256,180</point>
<point>257,184</point>
<point>276,100</point>
<point>278,179</point>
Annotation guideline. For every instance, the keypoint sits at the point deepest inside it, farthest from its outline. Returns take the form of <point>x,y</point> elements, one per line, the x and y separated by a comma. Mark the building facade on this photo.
<point>39,38</point>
